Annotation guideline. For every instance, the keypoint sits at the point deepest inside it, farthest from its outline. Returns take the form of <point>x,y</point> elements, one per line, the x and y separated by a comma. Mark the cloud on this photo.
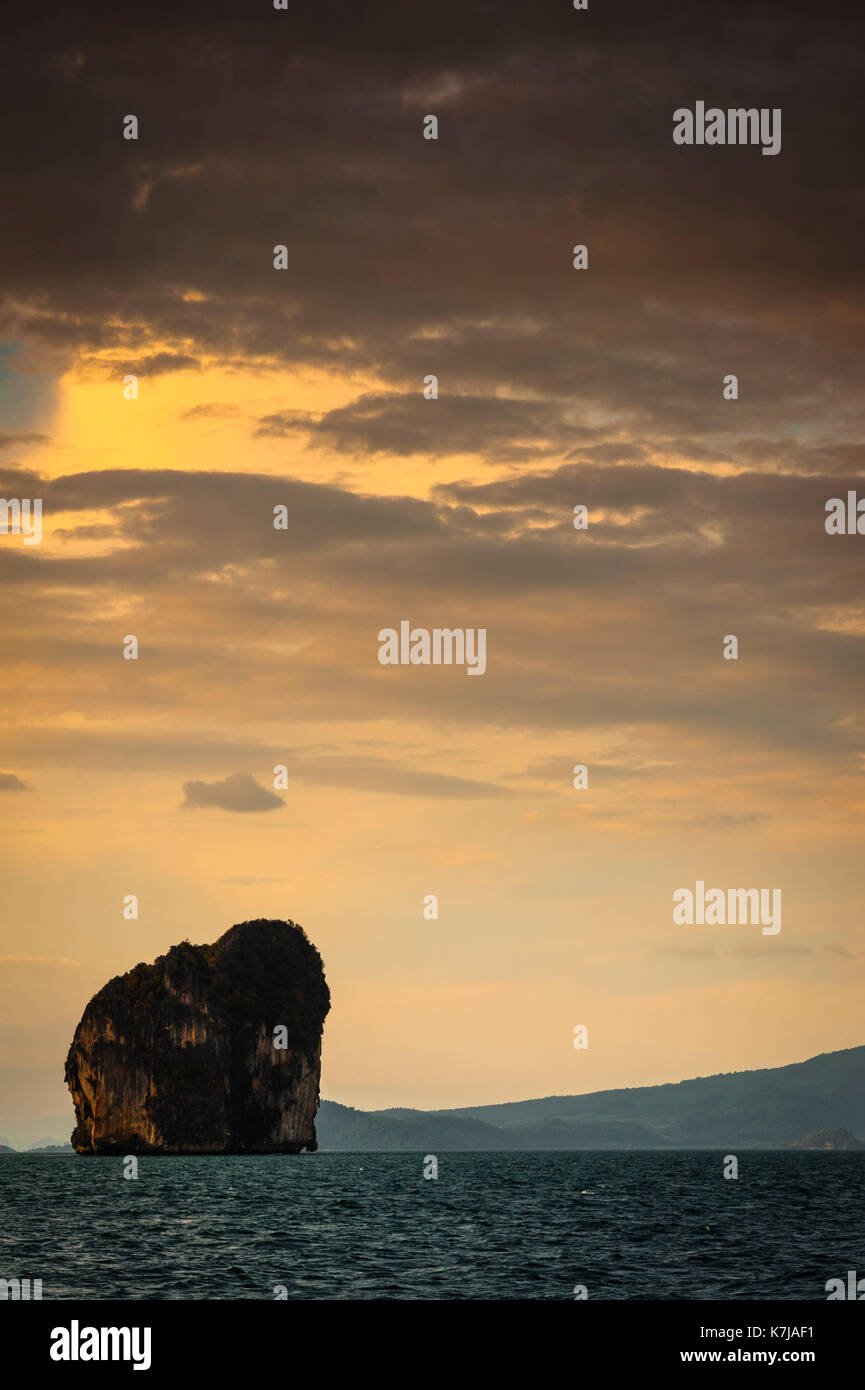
<point>456,265</point>
<point>237,792</point>
<point>210,410</point>
<point>602,388</point>
<point>671,558</point>
<point>376,775</point>
<point>768,948</point>
<point>719,820</point>
<point>158,364</point>
<point>506,430</point>
<point>9,782</point>
<point>8,441</point>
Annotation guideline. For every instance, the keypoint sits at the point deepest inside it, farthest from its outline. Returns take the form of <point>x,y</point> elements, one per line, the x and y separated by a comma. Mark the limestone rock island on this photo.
<point>211,1049</point>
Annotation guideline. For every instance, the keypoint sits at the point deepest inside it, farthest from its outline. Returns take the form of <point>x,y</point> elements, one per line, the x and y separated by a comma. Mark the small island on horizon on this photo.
<point>830,1139</point>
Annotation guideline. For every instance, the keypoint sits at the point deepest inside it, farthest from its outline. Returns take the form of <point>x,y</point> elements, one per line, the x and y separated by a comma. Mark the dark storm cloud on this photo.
<point>409,256</point>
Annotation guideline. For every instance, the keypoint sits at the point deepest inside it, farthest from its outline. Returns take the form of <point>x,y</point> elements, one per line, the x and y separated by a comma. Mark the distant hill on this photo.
<point>39,1149</point>
<point>769,1109</point>
<point>339,1127</point>
<point>830,1139</point>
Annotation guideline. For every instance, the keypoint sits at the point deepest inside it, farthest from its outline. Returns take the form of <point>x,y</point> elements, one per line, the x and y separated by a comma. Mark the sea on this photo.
<point>540,1225</point>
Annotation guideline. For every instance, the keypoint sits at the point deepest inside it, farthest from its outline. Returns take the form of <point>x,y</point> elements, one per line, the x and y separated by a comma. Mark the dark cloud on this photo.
<point>237,792</point>
<point>156,365</point>
<point>408,256</point>
<point>10,782</point>
<point>672,561</point>
<point>210,410</point>
<point>506,430</point>
<point>9,441</point>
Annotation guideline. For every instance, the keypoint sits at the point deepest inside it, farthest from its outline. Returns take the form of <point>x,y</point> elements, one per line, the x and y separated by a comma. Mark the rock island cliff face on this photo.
<point>183,1056</point>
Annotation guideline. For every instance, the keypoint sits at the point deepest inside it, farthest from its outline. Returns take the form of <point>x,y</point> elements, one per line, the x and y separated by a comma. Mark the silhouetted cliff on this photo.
<point>183,1056</point>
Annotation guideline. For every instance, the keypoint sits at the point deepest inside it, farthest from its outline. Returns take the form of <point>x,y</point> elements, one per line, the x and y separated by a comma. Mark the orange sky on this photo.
<point>554,905</point>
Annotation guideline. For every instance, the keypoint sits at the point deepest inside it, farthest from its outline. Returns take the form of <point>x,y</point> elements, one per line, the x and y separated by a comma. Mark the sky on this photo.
<point>304,388</point>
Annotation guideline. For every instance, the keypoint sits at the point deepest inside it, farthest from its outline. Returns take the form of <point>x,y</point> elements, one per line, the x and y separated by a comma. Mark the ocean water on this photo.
<point>638,1225</point>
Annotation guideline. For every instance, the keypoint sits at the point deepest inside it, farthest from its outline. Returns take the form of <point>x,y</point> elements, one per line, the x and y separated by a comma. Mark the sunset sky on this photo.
<point>557,387</point>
